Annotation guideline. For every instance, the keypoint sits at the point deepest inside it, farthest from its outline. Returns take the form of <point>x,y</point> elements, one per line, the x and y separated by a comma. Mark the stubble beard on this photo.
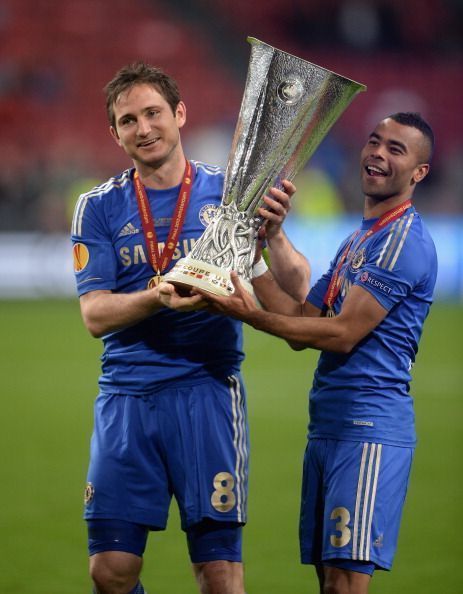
<point>379,197</point>
<point>377,194</point>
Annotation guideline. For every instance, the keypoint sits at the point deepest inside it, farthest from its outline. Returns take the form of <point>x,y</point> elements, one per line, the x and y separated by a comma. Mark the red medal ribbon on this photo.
<point>147,221</point>
<point>335,283</point>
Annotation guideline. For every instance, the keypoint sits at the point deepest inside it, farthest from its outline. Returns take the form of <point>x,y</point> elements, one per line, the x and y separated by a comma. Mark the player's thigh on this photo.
<point>358,504</point>
<point>366,488</point>
<point>127,479</point>
<point>210,540</point>
<point>215,551</point>
<point>209,463</point>
<point>312,501</point>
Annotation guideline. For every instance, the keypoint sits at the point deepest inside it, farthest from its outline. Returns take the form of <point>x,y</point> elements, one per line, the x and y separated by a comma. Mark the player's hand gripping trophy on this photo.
<point>288,107</point>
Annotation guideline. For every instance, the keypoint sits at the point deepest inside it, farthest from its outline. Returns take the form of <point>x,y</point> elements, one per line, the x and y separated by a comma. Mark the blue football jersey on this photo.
<point>364,395</point>
<point>110,254</point>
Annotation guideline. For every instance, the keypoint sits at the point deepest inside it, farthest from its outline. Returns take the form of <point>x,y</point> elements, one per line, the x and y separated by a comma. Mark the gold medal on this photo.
<point>154,282</point>
<point>330,313</point>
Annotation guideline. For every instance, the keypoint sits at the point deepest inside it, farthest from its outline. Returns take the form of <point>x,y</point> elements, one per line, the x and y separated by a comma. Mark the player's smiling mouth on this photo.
<point>147,143</point>
<point>374,171</point>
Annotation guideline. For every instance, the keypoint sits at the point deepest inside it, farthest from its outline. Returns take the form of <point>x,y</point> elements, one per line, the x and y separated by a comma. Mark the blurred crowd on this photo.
<point>56,56</point>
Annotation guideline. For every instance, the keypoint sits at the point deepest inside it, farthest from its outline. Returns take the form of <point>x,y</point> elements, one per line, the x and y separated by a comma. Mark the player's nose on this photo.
<point>143,127</point>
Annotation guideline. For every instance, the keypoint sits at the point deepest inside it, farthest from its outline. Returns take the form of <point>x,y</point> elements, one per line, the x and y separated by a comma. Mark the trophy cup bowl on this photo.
<point>288,107</point>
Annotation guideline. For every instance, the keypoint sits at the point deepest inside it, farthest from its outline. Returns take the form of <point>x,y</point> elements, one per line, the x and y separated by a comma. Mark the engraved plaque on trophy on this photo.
<point>288,107</point>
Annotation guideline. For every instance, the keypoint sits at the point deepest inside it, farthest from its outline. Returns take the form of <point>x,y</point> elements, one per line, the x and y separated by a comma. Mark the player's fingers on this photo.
<point>166,288</point>
<point>279,202</point>
<point>289,187</point>
<point>275,213</point>
<point>235,279</point>
<point>206,295</point>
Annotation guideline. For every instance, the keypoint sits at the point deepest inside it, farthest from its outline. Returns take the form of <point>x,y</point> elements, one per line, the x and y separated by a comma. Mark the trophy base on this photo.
<point>188,273</point>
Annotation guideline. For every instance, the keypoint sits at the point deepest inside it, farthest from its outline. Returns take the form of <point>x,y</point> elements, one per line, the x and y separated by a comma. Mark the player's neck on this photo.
<point>374,208</point>
<point>164,175</point>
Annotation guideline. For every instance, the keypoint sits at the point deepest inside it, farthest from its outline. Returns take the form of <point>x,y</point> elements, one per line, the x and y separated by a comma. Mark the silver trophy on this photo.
<point>288,107</point>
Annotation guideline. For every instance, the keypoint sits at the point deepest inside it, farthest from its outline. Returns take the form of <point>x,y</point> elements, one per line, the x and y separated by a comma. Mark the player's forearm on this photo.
<point>105,312</point>
<point>273,298</point>
<point>290,268</point>
<point>324,334</point>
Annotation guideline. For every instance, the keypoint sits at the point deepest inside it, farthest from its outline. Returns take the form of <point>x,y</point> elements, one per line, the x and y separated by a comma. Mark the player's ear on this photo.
<point>180,114</point>
<point>420,172</point>
<point>115,135</point>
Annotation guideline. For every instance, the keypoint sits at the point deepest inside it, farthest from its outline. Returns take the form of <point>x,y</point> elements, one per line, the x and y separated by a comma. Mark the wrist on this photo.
<point>259,268</point>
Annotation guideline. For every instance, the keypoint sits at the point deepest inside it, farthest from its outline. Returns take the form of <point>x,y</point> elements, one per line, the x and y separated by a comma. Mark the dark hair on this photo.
<point>136,74</point>
<point>415,120</point>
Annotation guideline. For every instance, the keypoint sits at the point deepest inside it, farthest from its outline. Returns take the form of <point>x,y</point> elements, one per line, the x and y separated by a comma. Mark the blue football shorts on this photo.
<point>189,442</point>
<point>352,499</point>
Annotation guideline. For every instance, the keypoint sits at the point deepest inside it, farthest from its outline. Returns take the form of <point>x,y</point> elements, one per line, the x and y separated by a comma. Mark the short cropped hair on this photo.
<point>136,74</point>
<point>415,120</point>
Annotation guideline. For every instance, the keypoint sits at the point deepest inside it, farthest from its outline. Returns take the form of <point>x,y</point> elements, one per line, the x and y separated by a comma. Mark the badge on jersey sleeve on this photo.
<point>81,256</point>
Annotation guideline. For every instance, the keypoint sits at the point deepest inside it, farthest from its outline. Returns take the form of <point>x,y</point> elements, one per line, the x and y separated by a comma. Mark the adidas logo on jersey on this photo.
<point>128,229</point>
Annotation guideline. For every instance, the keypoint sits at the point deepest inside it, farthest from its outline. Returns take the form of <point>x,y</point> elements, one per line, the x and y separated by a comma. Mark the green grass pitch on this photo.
<point>49,370</point>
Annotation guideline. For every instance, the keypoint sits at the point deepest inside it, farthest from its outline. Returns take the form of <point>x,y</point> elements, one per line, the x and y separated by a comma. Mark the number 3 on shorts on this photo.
<point>343,516</point>
<point>223,499</point>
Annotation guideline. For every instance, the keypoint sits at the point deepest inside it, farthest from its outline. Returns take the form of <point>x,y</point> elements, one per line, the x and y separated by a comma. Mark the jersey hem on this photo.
<point>166,385</point>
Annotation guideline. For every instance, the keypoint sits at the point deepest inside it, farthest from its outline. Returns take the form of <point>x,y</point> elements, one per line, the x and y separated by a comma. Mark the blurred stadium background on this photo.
<point>55,58</point>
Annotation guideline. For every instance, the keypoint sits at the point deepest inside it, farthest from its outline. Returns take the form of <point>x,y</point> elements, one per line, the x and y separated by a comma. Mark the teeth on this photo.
<point>373,169</point>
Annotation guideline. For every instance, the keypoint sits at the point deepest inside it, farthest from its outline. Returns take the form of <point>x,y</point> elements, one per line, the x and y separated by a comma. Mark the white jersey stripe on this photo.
<point>239,458</point>
<point>81,204</point>
<point>358,501</point>
<point>383,251</point>
<point>113,182</point>
<point>78,215</point>
<point>373,499</point>
<point>394,242</point>
<point>239,444</point>
<point>244,449</point>
<point>402,241</point>
<point>235,432</point>
<point>209,169</point>
<point>366,502</point>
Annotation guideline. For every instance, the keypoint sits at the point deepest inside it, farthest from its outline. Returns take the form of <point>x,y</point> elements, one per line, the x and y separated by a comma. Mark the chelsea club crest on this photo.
<point>207,213</point>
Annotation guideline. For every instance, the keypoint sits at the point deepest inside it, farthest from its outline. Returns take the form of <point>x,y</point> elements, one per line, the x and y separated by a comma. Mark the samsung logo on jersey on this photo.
<point>135,254</point>
<point>366,278</point>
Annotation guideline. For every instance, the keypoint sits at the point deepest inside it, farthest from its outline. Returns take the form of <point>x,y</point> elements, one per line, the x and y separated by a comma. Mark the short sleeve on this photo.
<point>94,259</point>
<point>395,269</point>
